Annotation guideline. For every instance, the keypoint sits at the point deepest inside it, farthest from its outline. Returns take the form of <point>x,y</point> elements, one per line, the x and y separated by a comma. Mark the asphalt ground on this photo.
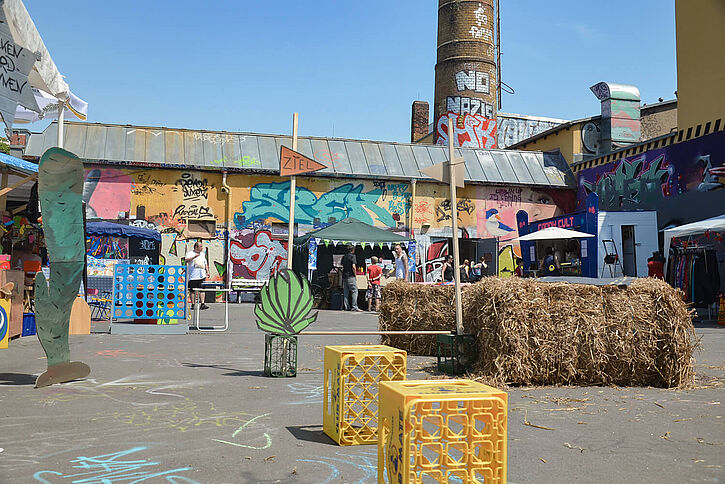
<point>197,408</point>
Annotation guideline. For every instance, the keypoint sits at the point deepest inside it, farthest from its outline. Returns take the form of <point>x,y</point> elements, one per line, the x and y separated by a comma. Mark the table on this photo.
<point>211,329</point>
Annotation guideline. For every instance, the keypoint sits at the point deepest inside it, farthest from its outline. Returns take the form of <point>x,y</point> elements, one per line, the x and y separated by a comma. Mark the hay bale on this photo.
<point>417,307</point>
<point>536,333</point>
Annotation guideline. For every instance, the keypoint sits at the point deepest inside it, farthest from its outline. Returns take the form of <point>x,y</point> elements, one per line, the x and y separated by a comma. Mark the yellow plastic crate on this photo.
<point>441,431</point>
<point>352,374</point>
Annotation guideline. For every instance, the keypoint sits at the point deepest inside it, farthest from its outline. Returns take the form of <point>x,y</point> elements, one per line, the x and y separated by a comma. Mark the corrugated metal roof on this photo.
<point>250,152</point>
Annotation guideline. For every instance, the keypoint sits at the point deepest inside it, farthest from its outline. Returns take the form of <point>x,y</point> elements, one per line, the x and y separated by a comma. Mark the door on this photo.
<point>488,249</point>
<point>629,257</point>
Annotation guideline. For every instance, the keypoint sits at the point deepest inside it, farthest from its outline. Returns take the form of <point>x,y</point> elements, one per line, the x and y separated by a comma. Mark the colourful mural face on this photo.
<point>106,192</point>
<point>683,182</point>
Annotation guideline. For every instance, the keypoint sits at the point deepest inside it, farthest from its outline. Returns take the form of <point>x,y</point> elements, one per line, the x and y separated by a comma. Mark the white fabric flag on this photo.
<point>75,108</point>
<point>15,65</point>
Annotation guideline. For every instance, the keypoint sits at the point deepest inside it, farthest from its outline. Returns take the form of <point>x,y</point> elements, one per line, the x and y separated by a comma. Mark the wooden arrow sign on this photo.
<point>441,172</point>
<point>293,163</point>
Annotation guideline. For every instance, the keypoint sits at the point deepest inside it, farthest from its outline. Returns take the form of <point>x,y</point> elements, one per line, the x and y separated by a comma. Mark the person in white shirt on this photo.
<point>401,262</point>
<point>197,270</point>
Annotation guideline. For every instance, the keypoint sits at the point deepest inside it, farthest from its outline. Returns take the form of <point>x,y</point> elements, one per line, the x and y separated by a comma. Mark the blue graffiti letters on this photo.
<point>271,200</point>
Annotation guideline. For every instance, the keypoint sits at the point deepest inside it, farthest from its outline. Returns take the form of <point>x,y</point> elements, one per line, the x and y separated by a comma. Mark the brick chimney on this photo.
<point>419,121</point>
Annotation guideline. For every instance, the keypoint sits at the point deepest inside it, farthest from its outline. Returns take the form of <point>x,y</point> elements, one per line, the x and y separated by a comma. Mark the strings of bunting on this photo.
<point>363,244</point>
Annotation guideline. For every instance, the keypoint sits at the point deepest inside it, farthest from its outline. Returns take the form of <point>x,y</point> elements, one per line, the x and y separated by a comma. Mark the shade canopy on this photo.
<point>553,233</point>
<point>120,230</point>
<point>714,224</point>
<point>351,230</point>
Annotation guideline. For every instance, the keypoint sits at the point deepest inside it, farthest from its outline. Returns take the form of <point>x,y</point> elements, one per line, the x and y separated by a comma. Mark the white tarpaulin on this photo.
<point>16,63</point>
<point>75,108</point>
<point>552,233</point>
<point>44,75</point>
<point>715,224</point>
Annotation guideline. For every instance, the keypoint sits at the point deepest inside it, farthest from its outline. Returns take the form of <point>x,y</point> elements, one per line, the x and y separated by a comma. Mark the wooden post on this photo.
<point>454,222</point>
<point>4,185</point>
<point>292,187</point>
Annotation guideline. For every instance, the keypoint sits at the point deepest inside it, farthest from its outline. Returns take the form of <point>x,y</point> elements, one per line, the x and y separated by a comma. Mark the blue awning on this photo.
<point>120,230</point>
<point>22,166</point>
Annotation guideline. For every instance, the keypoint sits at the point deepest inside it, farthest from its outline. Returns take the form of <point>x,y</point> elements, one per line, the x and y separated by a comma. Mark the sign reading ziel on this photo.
<point>293,163</point>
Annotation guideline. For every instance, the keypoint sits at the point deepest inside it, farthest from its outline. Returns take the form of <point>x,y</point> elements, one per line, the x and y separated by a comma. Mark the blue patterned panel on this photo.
<point>149,292</point>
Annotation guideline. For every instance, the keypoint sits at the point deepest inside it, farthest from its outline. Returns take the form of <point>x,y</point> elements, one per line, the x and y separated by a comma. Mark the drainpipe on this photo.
<point>410,210</point>
<point>410,219</point>
<point>226,189</point>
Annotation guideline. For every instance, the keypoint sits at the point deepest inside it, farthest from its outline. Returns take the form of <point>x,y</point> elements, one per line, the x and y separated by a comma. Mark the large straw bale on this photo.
<point>537,333</point>
<point>416,307</point>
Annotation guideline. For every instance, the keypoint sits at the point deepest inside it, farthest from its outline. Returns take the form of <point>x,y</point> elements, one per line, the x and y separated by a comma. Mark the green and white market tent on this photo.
<point>352,231</point>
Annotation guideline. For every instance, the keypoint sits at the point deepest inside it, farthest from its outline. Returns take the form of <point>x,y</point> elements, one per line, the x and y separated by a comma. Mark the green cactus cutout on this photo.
<point>60,189</point>
<point>286,305</point>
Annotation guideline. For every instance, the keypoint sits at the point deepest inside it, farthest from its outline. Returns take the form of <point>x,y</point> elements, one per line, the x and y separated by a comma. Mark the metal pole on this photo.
<point>327,333</point>
<point>292,188</point>
<point>498,53</point>
<point>454,223</point>
<point>61,115</point>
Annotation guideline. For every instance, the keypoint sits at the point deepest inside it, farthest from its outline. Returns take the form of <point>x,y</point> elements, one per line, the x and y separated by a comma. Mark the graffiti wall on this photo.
<point>164,199</point>
<point>484,212</point>
<point>511,129</point>
<point>683,182</point>
<point>256,254</point>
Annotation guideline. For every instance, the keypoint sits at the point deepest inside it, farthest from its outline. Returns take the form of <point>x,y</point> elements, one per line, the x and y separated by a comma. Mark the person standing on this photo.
<point>197,270</point>
<point>349,282</point>
<point>549,265</point>
<point>447,269</point>
<point>656,266</point>
<point>401,262</point>
<point>375,273</point>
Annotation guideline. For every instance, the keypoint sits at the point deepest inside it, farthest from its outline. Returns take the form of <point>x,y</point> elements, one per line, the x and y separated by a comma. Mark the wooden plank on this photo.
<point>80,317</point>
<point>17,184</point>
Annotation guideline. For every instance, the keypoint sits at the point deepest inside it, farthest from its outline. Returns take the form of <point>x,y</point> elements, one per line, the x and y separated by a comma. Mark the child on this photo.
<point>375,273</point>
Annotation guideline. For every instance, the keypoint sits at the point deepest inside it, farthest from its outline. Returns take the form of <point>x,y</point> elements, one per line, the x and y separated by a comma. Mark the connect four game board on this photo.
<point>149,292</point>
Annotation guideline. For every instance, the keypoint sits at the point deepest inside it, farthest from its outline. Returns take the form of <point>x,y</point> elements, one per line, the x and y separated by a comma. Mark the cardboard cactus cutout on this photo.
<point>60,189</point>
<point>286,305</point>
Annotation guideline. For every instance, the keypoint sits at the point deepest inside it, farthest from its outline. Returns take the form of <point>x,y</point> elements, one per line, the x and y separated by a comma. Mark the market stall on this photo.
<point>617,243</point>
<point>696,260</point>
<point>325,247</point>
<point>108,244</point>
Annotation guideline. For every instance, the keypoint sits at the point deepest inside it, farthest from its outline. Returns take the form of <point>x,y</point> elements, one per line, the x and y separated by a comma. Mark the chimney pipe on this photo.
<point>621,124</point>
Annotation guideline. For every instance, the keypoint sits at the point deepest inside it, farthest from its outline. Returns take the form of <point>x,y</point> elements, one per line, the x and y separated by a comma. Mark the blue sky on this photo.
<point>351,69</point>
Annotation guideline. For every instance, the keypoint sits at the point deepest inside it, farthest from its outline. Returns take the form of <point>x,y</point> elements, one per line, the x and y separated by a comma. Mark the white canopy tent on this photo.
<point>553,233</point>
<point>715,224</point>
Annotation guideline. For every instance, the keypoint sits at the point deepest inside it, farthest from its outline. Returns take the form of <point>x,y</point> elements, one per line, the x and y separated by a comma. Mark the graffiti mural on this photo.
<point>257,256</point>
<point>472,130</point>
<point>512,129</point>
<point>271,201</point>
<point>683,182</point>
<point>107,247</point>
<point>107,192</point>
